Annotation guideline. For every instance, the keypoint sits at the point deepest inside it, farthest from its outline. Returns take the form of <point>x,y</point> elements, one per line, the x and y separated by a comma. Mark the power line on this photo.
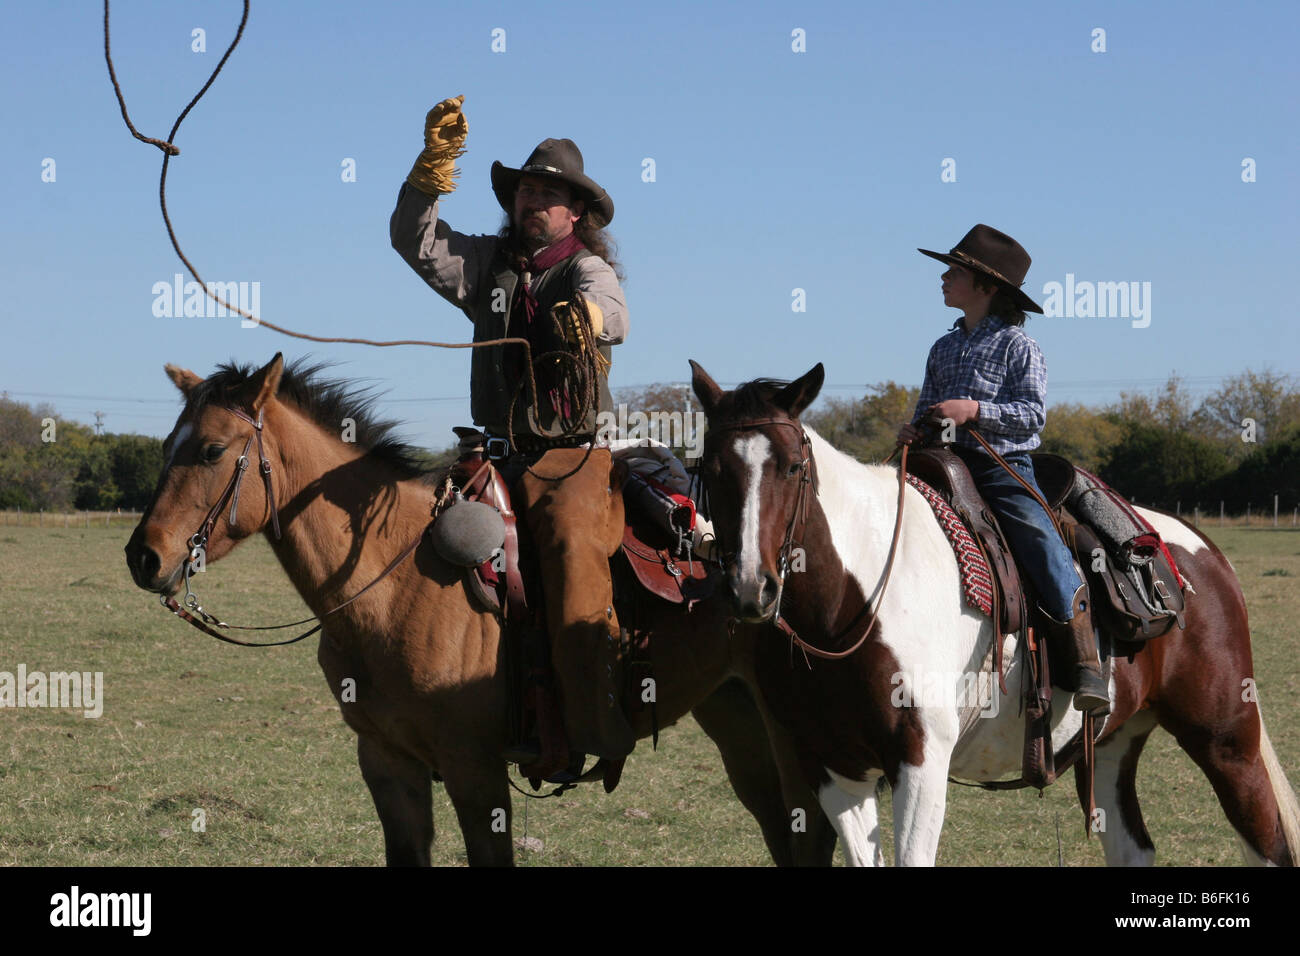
<point>1200,381</point>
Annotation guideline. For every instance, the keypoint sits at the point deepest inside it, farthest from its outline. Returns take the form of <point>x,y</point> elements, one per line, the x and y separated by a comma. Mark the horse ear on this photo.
<point>801,393</point>
<point>706,389</point>
<point>261,387</point>
<point>182,378</point>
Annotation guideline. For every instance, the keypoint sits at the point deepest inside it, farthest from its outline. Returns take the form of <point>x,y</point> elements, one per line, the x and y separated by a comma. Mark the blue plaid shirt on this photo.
<point>1000,367</point>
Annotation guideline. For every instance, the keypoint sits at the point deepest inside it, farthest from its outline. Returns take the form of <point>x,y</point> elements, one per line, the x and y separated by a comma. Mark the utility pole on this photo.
<point>99,423</point>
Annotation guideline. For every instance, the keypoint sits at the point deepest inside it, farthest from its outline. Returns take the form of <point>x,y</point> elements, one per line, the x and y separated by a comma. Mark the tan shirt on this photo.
<point>458,267</point>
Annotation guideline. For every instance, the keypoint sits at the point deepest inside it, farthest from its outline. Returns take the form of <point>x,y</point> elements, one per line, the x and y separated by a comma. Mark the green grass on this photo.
<point>254,739</point>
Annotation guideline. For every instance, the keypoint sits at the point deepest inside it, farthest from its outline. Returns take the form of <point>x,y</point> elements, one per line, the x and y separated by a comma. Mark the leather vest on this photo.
<point>492,383</point>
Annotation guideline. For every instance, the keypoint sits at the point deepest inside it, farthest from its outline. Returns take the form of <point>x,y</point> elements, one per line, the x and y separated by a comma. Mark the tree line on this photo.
<point>53,464</point>
<point>1239,445</point>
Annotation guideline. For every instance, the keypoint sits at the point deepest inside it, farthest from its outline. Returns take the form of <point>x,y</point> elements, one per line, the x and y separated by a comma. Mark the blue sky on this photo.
<point>775,170</point>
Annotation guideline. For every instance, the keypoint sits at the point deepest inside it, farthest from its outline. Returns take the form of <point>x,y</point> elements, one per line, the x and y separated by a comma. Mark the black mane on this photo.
<point>325,401</point>
<point>751,399</point>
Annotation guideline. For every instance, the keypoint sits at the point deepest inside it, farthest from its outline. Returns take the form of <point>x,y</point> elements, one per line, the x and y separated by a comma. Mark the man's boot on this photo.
<point>1076,638</point>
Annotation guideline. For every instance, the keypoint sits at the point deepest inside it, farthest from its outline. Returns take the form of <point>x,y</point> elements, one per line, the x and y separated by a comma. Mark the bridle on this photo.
<point>193,611</point>
<point>807,480</point>
<point>798,523</point>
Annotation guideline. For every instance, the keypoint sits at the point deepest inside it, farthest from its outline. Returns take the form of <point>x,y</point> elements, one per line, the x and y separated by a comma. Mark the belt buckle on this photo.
<point>497,448</point>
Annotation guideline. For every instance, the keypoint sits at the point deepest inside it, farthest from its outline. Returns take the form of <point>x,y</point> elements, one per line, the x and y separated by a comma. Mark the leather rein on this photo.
<point>192,611</point>
<point>799,516</point>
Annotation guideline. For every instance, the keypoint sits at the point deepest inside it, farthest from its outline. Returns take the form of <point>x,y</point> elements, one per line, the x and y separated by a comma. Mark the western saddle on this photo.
<point>1137,591</point>
<point>655,557</point>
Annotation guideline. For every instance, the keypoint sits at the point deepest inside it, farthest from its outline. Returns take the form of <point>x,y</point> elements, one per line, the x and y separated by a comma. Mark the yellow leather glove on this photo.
<point>568,318</point>
<point>445,130</point>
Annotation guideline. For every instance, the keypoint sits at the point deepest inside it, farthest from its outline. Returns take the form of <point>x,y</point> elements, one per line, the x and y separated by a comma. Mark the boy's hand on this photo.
<point>910,433</point>
<point>960,410</point>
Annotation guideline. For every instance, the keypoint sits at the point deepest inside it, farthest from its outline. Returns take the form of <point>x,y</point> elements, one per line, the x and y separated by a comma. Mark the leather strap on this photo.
<point>171,604</point>
<point>884,583</point>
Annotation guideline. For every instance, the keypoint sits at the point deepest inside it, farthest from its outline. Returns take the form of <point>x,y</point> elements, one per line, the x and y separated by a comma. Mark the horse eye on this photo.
<point>794,469</point>
<point>213,452</point>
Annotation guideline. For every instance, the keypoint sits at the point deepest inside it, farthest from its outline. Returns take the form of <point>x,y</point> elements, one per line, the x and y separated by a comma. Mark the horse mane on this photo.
<point>325,401</point>
<point>752,399</point>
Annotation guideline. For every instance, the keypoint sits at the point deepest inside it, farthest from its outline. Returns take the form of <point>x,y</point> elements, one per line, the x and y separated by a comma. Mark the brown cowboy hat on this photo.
<point>558,159</point>
<point>994,254</point>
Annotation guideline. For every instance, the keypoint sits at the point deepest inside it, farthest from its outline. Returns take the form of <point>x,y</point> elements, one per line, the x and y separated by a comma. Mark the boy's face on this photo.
<point>960,292</point>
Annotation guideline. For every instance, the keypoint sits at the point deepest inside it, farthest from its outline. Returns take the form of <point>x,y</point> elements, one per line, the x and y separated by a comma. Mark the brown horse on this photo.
<point>417,667</point>
<point>901,706</point>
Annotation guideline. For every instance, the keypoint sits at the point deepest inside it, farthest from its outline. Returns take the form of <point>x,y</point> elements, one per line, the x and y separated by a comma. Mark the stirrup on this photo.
<point>1097,704</point>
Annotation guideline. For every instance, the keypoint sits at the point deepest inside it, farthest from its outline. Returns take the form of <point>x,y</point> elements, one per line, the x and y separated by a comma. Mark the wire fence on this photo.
<point>1264,515</point>
<point>17,518</point>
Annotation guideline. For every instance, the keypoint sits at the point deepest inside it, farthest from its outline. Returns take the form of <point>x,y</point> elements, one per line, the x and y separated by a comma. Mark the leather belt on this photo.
<point>498,446</point>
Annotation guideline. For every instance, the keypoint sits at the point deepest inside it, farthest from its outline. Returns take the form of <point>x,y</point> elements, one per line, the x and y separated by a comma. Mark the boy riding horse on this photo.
<point>526,281</point>
<point>988,372</point>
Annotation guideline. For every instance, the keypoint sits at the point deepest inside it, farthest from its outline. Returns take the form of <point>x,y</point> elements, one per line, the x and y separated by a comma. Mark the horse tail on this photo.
<point>1287,806</point>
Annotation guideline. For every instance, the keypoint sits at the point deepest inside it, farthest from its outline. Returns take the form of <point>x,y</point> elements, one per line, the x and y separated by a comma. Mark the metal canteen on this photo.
<point>467,533</point>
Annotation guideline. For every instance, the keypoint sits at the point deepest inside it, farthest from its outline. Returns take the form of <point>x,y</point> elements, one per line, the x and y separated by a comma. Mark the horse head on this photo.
<point>201,507</point>
<point>758,473</point>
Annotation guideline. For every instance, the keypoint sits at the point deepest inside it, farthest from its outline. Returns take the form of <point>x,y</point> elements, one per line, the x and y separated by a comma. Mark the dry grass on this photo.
<point>254,739</point>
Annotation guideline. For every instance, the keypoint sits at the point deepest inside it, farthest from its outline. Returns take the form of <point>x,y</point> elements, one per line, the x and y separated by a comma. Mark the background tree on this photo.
<point>1084,435</point>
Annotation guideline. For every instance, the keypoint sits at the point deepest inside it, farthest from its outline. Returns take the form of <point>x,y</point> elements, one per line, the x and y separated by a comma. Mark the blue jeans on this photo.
<point>1038,549</point>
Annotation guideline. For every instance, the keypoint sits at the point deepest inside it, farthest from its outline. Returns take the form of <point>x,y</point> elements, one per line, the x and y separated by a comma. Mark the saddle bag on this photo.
<point>1135,603</point>
<point>1138,573</point>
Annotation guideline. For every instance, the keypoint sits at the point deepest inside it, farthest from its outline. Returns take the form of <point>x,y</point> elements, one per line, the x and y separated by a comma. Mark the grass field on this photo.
<point>254,740</point>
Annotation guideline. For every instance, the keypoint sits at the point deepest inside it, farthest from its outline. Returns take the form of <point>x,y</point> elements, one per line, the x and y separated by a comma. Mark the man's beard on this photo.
<point>531,241</point>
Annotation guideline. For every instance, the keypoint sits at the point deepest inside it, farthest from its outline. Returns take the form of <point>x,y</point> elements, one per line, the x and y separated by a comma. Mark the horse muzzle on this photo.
<point>754,599</point>
<point>145,566</point>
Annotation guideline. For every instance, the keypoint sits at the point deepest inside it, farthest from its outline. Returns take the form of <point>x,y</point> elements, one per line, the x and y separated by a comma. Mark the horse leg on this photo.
<point>851,807</point>
<point>737,727</point>
<point>1234,756</point>
<point>920,798</point>
<point>403,795</point>
<point>1124,836</point>
<point>480,791</point>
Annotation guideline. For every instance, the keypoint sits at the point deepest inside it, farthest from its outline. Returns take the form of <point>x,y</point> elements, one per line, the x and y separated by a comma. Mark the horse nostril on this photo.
<point>143,562</point>
<point>771,589</point>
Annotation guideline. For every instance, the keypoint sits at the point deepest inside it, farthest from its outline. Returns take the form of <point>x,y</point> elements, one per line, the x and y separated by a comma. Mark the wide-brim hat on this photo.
<point>558,159</point>
<point>994,254</point>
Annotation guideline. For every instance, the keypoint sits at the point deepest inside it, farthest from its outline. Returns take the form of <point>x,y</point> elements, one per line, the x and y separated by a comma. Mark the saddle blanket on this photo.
<point>976,579</point>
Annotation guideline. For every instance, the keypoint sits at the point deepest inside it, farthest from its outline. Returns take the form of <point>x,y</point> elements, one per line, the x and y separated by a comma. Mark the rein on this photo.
<point>799,516</point>
<point>192,611</point>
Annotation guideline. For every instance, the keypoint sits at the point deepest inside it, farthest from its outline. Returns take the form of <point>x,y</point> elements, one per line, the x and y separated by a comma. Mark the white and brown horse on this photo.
<point>424,663</point>
<point>900,707</point>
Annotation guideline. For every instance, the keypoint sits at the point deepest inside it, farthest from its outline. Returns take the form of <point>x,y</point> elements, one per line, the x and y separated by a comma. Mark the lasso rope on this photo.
<point>583,380</point>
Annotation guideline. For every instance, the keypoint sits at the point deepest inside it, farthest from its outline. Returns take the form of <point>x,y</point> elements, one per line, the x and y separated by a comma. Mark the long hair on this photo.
<point>590,228</point>
<point>1004,304</point>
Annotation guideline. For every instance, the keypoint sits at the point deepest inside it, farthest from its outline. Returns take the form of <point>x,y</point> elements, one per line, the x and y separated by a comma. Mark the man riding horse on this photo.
<point>547,276</point>
<point>988,372</point>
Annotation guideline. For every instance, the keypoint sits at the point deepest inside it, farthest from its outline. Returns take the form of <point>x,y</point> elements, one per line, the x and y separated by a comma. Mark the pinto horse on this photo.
<point>876,712</point>
<point>426,662</point>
